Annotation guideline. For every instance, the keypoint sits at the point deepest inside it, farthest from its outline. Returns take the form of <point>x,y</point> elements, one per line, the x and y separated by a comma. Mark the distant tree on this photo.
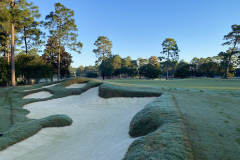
<point>79,71</point>
<point>149,71</point>
<point>103,50</point>
<point>210,69</point>
<point>233,39</point>
<point>106,68</point>
<point>63,28</point>
<point>92,75</point>
<point>116,61</point>
<point>126,62</point>
<point>183,71</point>
<point>153,60</point>
<point>142,61</point>
<point>72,71</point>
<point>170,49</point>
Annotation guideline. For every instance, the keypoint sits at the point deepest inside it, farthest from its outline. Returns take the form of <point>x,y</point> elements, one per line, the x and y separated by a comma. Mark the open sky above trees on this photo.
<point>138,27</point>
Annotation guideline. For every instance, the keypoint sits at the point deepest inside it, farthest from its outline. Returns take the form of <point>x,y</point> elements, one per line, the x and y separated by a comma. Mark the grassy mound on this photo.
<point>75,80</point>
<point>152,117</point>
<point>21,131</point>
<point>163,131</point>
<point>20,127</point>
<point>107,90</point>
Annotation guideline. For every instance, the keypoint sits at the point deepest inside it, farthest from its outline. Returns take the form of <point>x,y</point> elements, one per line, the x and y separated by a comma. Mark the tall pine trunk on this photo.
<point>8,59</point>
<point>25,39</point>
<point>167,66</point>
<point>59,59</point>
<point>103,66</point>
<point>12,55</point>
<point>227,67</point>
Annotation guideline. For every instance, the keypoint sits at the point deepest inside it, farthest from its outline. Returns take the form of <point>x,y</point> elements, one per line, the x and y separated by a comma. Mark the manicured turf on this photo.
<point>197,83</point>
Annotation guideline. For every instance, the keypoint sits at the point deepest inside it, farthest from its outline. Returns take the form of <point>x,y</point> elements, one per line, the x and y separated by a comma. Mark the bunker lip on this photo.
<point>77,85</point>
<point>99,130</point>
<point>42,94</point>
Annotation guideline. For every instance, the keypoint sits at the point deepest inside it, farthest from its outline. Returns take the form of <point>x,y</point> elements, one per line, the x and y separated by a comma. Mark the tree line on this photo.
<point>222,65</point>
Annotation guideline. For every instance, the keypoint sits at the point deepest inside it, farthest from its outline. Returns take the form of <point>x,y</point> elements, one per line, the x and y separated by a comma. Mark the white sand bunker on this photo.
<point>76,85</point>
<point>42,94</point>
<point>99,130</point>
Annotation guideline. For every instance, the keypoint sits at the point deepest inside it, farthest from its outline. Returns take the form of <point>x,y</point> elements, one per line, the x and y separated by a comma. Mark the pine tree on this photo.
<point>63,28</point>
<point>103,50</point>
<point>170,48</point>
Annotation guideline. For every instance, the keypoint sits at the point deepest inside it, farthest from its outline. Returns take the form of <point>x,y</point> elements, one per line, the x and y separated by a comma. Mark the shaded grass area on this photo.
<point>197,83</point>
<point>163,133</point>
<point>22,127</point>
<point>5,110</point>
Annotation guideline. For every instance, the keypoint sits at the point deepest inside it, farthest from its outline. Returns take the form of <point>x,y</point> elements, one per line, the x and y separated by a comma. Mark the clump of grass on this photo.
<point>162,130</point>
<point>107,90</point>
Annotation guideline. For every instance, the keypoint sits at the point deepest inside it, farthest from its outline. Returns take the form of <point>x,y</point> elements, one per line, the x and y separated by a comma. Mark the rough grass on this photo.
<point>162,130</point>
<point>18,127</point>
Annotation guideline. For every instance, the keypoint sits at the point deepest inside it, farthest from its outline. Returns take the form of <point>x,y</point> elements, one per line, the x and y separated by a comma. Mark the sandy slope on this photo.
<point>76,85</point>
<point>99,130</point>
<point>42,94</point>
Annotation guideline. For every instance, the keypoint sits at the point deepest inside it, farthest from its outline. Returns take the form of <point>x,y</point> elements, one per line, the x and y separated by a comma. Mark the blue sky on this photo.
<point>137,28</point>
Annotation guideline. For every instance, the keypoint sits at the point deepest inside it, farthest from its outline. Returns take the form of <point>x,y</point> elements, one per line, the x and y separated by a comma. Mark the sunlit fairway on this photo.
<point>201,84</point>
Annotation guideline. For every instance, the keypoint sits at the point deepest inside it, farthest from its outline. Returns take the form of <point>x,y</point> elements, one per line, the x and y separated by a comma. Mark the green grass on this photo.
<point>200,84</point>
